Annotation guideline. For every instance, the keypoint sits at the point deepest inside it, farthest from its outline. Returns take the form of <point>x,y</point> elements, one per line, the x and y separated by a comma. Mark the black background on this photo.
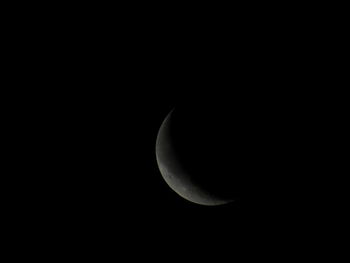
<point>99,89</point>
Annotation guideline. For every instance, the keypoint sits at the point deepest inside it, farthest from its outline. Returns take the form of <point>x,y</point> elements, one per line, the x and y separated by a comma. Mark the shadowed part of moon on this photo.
<point>176,175</point>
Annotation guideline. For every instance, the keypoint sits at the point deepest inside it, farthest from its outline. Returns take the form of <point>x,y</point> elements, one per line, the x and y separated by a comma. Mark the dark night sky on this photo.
<point>98,99</point>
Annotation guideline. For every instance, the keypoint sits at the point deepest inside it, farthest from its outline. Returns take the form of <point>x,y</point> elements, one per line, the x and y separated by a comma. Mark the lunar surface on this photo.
<point>182,148</point>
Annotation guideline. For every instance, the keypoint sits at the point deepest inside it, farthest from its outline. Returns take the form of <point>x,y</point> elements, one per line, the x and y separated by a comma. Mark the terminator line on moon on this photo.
<point>176,175</point>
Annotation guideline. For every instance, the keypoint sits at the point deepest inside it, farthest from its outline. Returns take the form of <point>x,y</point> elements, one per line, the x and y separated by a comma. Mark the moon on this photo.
<point>182,148</point>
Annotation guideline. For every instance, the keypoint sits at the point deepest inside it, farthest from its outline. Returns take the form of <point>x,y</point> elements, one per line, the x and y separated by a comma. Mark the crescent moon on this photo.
<point>176,175</point>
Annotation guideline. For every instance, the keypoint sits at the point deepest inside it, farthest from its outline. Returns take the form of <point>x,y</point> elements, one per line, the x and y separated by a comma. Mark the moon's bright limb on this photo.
<point>175,175</point>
